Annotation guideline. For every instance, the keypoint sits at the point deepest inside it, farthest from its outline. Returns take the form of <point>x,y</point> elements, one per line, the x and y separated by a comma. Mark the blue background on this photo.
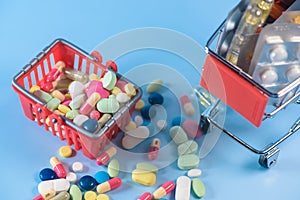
<point>26,27</point>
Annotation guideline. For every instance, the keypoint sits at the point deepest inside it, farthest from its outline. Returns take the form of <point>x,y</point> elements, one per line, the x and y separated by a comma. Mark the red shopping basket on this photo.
<point>35,109</point>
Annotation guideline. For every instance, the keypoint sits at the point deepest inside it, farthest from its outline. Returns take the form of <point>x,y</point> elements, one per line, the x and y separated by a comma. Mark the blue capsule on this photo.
<point>47,174</point>
<point>155,98</point>
<point>87,183</point>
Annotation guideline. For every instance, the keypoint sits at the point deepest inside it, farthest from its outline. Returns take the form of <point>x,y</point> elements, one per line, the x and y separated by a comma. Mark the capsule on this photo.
<point>76,75</point>
<point>58,167</point>
<point>56,71</point>
<point>48,86</point>
<point>164,190</point>
<point>90,103</point>
<point>187,105</point>
<point>145,196</point>
<point>109,185</point>
<point>58,94</point>
<point>62,196</point>
<point>154,149</point>
<point>106,156</point>
<point>104,119</point>
<point>45,195</point>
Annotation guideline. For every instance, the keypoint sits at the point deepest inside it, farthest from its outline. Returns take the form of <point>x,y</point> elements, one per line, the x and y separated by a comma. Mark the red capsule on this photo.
<point>58,167</point>
<point>106,155</point>
<point>145,196</point>
<point>55,72</point>
<point>154,149</point>
<point>164,189</point>
<point>109,185</point>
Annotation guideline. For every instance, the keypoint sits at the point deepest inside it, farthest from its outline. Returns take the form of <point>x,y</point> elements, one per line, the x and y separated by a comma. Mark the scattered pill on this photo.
<point>109,185</point>
<point>138,120</point>
<point>65,151</point>
<point>109,80</point>
<point>77,167</point>
<point>188,161</point>
<point>145,196</point>
<point>115,91</point>
<point>187,105</point>
<point>57,184</point>
<point>154,149</point>
<point>96,87</point>
<point>64,109</point>
<point>90,125</point>
<point>192,128</point>
<point>87,182</point>
<point>48,194</point>
<point>188,147</point>
<point>72,114</point>
<point>154,86</point>
<point>62,196</point>
<point>129,89</point>
<point>104,119</point>
<point>108,105</point>
<point>46,97</point>
<point>89,104</point>
<point>105,156</point>
<point>130,126</point>
<point>176,121</point>
<point>143,177</point>
<point>95,115</point>
<point>102,197</point>
<point>53,104</point>
<point>139,104</point>
<point>194,173</point>
<point>71,177</point>
<point>198,187</point>
<point>75,192</point>
<point>164,190</point>
<point>101,177</point>
<point>76,75</point>
<point>183,188</point>
<point>122,98</point>
<point>58,167</point>
<point>77,101</point>
<point>90,195</point>
<point>121,84</point>
<point>155,98</point>
<point>34,88</point>
<point>178,135</point>
<point>147,167</point>
<point>79,119</point>
<point>113,168</point>
<point>269,76</point>
<point>75,88</point>
<point>47,174</point>
<point>134,137</point>
<point>66,102</point>
<point>48,86</point>
<point>161,124</point>
<point>147,112</point>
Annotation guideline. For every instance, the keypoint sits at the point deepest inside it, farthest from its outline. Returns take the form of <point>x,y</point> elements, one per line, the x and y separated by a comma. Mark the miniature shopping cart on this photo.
<point>35,109</point>
<point>247,97</point>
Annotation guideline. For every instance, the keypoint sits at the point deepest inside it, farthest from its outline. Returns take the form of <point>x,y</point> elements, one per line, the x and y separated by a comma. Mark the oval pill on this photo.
<point>139,104</point>
<point>192,128</point>
<point>183,188</point>
<point>87,183</point>
<point>102,197</point>
<point>79,119</point>
<point>154,86</point>
<point>72,114</point>
<point>122,98</point>
<point>188,147</point>
<point>90,125</point>
<point>134,137</point>
<point>194,173</point>
<point>178,135</point>
<point>147,167</point>
<point>47,174</point>
<point>143,177</point>
<point>62,196</point>
<point>155,98</point>
<point>187,105</point>
<point>109,80</point>
<point>188,161</point>
<point>75,192</point>
<point>57,184</point>
<point>113,168</point>
<point>130,90</point>
<point>198,187</point>
<point>53,104</point>
<point>90,195</point>
<point>65,151</point>
<point>101,177</point>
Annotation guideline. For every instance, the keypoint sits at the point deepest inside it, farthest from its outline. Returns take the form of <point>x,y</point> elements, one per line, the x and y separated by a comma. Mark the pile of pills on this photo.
<point>89,101</point>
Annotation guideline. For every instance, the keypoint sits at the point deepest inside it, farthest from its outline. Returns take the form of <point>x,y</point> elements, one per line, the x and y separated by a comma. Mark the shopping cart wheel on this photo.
<point>269,159</point>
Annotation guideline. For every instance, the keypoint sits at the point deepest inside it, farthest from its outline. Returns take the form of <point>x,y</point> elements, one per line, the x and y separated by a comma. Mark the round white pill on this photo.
<point>161,124</point>
<point>71,177</point>
<point>293,73</point>
<point>269,76</point>
<point>194,173</point>
<point>77,167</point>
<point>278,53</point>
<point>138,120</point>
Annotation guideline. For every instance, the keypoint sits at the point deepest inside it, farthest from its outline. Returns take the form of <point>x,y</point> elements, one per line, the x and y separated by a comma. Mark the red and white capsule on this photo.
<point>187,105</point>
<point>109,185</point>
<point>164,190</point>
<point>58,167</point>
<point>154,149</point>
<point>145,196</point>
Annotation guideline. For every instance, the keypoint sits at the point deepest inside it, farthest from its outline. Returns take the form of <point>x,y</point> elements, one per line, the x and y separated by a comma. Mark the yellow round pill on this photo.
<point>65,151</point>
<point>139,105</point>
<point>102,197</point>
<point>90,195</point>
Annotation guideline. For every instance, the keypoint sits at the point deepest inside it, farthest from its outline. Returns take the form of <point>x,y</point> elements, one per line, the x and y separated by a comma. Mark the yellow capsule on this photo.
<point>129,89</point>
<point>90,195</point>
<point>58,94</point>
<point>139,105</point>
<point>64,109</point>
<point>34,88</point>
<point>65,151</point>
<point>115,91</point>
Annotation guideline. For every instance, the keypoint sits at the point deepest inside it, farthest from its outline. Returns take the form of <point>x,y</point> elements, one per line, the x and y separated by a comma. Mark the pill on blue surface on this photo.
<point>138,120</point>
<point>194,173</point>
<point>178,135</point>
<point>143,177</point>
<point>47,174</point>
<point>102,197</point>
<point>192,128</point>
<point>90,125</point>
<point>147,112</point>
<point>188,161</point>
<point>113,168</point>
<point>77,167</point>
<point>198,187</point>
<point>161,124</point>
<point>155,98</point>
<point>75,192</point>
<point>90,195</point>
<point>147,167</point>
<point>62,196</point>
<point>87,182</point>
<point>176,121</point>
<point>101,177</point>
<point>188,147</point>
<point>71,177</point>
<point>57,184</point>
<point>134,137</point>
<point>139,104</point>
<point>154,86</point>
<point>183,187</point>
